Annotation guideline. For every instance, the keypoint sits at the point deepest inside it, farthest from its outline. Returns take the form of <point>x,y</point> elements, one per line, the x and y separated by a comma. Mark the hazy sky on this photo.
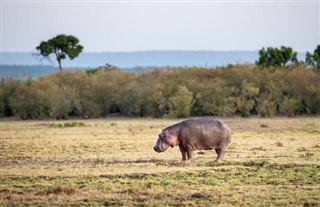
<point>162,25</point>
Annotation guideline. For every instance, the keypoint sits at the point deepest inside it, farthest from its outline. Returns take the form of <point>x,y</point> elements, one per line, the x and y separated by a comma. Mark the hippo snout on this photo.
<point>157,149</point>
<point>160,146</point>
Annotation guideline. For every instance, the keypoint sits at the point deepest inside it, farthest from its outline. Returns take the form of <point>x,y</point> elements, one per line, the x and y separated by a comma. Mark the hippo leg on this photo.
<point>183,152</point>
<point>189,152</point>
<point>221,154</point>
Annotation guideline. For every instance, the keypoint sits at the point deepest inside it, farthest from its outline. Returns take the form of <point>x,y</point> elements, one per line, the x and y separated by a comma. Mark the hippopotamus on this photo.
<point>195,134</point>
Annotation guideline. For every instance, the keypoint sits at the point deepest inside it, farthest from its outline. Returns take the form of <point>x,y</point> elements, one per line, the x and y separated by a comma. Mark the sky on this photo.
<point>117,26</point>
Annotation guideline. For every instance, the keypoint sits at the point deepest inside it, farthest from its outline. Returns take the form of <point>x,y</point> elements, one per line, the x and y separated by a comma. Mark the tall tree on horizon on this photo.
<point>62,46</point>
<point>277,57</point>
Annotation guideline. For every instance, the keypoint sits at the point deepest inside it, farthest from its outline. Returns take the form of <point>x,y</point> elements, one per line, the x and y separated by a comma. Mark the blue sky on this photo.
<point>162,25</point>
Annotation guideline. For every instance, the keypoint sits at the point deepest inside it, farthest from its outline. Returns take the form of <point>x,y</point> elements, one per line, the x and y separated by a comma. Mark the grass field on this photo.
<point>111,162</point>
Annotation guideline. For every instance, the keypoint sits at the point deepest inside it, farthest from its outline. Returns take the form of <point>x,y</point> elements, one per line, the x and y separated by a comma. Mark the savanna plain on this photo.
<point>111,162</point>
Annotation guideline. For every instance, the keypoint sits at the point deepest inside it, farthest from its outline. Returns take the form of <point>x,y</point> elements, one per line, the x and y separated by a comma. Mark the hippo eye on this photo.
<point>160,136</point>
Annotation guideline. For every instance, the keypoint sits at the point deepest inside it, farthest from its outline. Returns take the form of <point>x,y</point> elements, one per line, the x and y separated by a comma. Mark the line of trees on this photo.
<point>228,91</point>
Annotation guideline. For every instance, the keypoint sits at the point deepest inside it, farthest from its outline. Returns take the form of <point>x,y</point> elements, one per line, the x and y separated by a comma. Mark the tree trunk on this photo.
<point>56,52</point>
<point>60,66</point>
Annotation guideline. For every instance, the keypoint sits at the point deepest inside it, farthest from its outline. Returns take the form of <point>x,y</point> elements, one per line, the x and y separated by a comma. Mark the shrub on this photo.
<point>180,104</point>
<point>289,106</point>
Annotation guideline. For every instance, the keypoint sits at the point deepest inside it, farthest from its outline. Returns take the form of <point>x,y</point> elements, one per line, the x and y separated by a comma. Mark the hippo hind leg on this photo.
<point>217,151</point>
<point>220,152</point>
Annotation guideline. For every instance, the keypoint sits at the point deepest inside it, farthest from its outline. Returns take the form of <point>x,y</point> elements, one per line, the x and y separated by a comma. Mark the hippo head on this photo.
<point>165,140</point>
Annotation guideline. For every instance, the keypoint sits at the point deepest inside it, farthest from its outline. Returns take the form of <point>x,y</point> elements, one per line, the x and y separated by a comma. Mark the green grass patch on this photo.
<point>260,184</point>
<point>68,124</point>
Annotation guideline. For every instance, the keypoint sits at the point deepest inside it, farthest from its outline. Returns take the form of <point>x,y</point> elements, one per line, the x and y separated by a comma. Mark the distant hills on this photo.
<point>22,64</point>
<point>140,58</point>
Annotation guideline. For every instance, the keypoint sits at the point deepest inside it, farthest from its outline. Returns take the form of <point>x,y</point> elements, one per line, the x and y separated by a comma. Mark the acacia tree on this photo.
<point>61,46</point>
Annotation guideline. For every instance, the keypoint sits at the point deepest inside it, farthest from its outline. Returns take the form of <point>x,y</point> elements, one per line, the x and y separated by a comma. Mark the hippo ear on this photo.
<point>161,134</point>
<point>164,133</point>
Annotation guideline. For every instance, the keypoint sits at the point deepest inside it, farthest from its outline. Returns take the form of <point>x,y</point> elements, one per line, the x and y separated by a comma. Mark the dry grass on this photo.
<point>112,162</point>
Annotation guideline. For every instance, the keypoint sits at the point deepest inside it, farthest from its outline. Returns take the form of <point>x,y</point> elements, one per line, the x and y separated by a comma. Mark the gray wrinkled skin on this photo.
<point>195,134</point>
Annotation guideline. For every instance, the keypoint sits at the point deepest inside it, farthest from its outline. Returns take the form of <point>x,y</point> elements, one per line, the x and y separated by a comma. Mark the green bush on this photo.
<point>180,103</point>
<point>289,106</point>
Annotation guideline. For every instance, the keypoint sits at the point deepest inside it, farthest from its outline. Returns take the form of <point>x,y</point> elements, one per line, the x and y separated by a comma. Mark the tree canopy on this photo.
<point>314,59</point>
<point>61,46</point>
<point>277,57</point>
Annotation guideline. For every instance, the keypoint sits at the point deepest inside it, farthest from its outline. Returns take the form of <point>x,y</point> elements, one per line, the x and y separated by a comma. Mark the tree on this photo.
<point>62,46</point>
<point>276,57</point>
<point>314,59</point>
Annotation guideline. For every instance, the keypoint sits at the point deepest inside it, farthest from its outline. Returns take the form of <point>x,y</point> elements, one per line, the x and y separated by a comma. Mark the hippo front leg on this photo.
<point>183,152</point>
<point>189,152</point>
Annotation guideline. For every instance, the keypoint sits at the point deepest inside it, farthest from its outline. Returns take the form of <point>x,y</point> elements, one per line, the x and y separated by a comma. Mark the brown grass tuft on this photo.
<point>59,189</point>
